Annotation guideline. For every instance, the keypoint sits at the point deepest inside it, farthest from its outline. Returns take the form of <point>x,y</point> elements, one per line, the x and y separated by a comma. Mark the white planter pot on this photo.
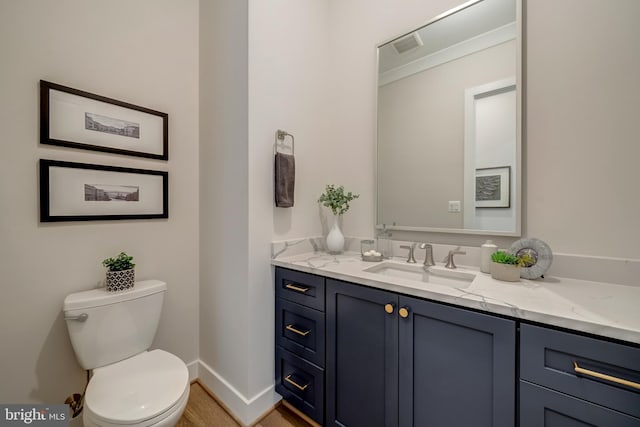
<point>120,280</point>
<point>505,272</point>
<point>335,238</point>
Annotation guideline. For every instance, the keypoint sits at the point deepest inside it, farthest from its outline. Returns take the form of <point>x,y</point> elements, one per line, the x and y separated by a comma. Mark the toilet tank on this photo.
<point>118,325</point>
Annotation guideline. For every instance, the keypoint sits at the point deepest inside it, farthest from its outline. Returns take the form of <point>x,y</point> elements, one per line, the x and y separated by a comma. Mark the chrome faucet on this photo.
<point>410,259</point>
<point>428,254</point>
<point>450,264</point>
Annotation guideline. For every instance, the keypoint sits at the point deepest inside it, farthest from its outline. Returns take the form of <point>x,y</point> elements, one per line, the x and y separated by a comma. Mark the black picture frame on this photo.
<point>77,119</point>
<point>86,200</point>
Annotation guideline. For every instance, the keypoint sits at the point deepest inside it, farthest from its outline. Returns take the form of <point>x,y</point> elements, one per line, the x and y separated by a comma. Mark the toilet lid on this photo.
<point>138,388</point>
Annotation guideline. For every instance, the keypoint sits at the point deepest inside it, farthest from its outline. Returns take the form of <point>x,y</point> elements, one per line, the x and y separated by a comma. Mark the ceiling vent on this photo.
<point>407,43</point>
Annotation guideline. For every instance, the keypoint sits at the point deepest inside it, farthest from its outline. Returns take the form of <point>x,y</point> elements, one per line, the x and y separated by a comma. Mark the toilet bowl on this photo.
<point>111,334</point>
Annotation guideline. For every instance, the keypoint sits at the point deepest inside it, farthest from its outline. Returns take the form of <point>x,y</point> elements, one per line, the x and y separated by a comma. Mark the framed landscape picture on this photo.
<point>74,118</point>
<point>493,187</point>
<point>84,192</point>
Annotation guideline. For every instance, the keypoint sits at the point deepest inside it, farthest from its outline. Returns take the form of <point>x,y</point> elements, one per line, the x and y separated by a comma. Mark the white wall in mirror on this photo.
<point>490,157</point>
<point>421,138</point>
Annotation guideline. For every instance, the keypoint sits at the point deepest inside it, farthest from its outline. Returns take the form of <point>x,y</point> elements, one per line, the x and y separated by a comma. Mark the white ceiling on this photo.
<point>472,21</point>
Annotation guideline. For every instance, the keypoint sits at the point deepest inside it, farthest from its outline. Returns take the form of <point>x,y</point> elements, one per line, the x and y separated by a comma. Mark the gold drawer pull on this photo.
<point>605,377</point>
<point>296,288</point>
<point>297,331</point>
<point>295,384</point>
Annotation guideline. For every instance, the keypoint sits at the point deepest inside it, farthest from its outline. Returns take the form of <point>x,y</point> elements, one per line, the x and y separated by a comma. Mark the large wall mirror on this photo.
<point>449,123</point>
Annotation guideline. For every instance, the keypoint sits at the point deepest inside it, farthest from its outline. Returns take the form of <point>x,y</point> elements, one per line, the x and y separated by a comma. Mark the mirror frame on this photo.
<point>519,188</point>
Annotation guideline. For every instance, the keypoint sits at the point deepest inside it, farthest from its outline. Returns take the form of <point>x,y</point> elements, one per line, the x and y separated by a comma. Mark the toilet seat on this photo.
<point>141,390</point>
<point>168,418</point>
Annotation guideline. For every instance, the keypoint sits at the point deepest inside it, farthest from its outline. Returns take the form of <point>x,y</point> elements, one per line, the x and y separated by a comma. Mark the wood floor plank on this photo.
<point>282,417</point>
<point>204,411</point>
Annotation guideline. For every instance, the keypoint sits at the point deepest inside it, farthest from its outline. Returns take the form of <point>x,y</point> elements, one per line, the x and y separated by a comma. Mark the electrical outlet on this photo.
<point>454,206</point>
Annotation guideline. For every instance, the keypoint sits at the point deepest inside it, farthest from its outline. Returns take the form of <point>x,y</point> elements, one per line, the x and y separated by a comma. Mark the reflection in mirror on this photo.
<point>448,123</point>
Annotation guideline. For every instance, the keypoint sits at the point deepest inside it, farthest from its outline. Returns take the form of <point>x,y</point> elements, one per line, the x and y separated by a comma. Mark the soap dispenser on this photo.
<point>486,250</point>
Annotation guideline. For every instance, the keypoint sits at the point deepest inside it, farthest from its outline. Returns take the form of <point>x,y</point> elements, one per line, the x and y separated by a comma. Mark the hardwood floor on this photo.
<point>204,411</point>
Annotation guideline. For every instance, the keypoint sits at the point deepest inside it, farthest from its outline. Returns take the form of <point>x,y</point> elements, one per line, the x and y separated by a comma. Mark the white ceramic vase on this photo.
<point>335,238</point>
<point>505,272</point>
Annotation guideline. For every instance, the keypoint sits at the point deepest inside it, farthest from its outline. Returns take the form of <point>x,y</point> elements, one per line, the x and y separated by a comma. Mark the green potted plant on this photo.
<point>506,266</point>
<point>120,272</point>
<point>336,199</point>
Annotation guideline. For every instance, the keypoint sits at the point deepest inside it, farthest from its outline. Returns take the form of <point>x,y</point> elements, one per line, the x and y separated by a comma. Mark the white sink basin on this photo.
<point>417,273</point>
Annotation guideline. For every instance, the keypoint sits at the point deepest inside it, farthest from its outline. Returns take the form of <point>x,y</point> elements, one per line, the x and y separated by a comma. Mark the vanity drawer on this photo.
<point>300,383</point>
<point>572,364</point>
<point>300,330</point>
<point>303,288</point>
<point>541,407</point>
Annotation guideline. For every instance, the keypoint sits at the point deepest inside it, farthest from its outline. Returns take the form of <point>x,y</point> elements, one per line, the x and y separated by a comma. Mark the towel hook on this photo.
<point>280,135</point>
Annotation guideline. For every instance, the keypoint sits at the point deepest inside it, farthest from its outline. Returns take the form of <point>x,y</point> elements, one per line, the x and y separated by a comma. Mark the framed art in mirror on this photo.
<point>78,119</point>
<point>492,187</point>
<point>86,192</point>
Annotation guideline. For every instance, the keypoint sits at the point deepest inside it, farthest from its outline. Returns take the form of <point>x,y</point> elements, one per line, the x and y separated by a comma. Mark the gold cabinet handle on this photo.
<point>389,308</point>
<point>605,377</point>
<point>293,329</point>
<point>295,384</point>
<point>296,288</point>
<point>404,312</point>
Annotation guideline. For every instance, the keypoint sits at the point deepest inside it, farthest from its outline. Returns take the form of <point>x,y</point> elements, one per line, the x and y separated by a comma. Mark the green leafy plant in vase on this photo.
<point>336,199</point>
<point>120,272</point>
<point>506,266</point>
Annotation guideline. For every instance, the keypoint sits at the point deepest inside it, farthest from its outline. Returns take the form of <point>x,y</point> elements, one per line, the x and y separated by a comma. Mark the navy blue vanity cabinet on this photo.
<point>300,340</point>
<point>400,361</point>
<point>457,367</point>
<point>571,380</point>
<point>377,358</point>
<point>362,356</point>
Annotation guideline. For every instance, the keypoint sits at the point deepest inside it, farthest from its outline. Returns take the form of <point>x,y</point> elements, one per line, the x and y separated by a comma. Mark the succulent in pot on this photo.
<point>120,272</point>
<point>506,266</point>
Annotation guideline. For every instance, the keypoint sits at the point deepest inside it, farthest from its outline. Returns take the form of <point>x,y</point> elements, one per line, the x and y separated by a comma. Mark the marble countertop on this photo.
<point>603,309</point>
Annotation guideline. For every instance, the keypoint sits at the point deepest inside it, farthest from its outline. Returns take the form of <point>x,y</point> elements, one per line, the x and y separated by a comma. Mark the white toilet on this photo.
<point>111,333</point>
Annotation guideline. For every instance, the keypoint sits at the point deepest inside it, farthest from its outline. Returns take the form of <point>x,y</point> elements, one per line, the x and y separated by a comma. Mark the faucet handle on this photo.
<point>410,258</point>
<point>428,254</point>
<point>450,264</point>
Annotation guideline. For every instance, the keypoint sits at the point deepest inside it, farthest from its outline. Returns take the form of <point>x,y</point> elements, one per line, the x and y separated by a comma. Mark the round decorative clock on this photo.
<point>539,252</point>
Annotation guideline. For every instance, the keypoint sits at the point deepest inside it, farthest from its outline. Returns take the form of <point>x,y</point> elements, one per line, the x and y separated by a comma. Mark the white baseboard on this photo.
<point>246,410</point>
<point>192,367</point>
